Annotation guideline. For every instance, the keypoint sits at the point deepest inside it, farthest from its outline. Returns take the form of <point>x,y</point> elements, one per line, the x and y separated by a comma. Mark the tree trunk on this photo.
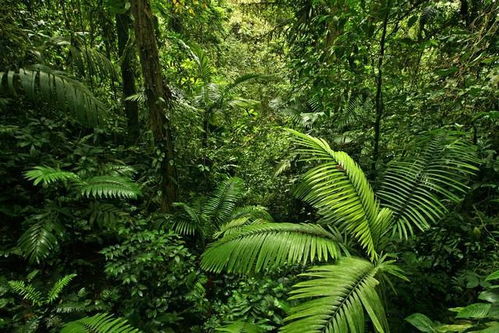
<point>379,90</point>
<point>159,98</point>
<point>128,76</point>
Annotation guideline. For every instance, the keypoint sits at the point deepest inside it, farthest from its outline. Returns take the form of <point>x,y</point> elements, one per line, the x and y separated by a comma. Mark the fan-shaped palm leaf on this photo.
<point>337,298</point>
<point>340,191</point>
<point>259,246</point>
<point>48,85</point>
<point>99,323</point>
<point>415,188</point>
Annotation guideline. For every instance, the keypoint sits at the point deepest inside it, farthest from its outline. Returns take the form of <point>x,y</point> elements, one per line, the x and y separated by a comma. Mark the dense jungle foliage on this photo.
<point>249,166</point>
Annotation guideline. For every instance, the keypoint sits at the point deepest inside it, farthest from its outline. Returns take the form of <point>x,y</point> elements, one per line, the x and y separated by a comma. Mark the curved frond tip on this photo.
<point>339,190</point>
<point>416,189</point>
<point>337,298</point>
<point>41,83</point>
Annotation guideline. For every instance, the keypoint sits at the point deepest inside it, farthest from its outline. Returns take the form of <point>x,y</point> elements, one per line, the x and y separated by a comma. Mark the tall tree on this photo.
<point>127,74</point>
<point>159,97</point>
<point>379,87</point>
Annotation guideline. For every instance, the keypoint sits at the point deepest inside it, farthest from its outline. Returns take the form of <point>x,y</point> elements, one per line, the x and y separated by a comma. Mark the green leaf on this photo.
<point>110,187</point>
<point>48,175</point>
<point>221,205</point>
<point>55,87</point>
<point>415,188</point>
<point>475,311</point>
<point>259,246</point>
<point>27,291</point>
<point>53,294</point>
<point>339,190</point>
<point>489,296</point>
<point>337,297</point>
<point>421,322</point>
<point>99,323</point>
<point>493,276</point>
<point>40,240</point>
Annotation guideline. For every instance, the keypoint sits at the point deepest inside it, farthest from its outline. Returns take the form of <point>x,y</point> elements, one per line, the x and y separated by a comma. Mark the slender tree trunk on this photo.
<point>379,90</point>
<point>123,24</point>
<point>159,97</point>
<point>206,127</point>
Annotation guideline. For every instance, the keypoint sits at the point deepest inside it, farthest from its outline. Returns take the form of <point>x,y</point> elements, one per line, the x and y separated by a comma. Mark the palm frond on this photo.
<point>105,215</point>
<point>110,187</point>
<point>221,205</point>
<point>259,246</point>
<point>41,83</point>
<point>253,212</point>
<point>48,175</point>
<point>92,62</point>
<point>337,298</point>
<point>40,240</point>
<point>191,223</point>
<point>199,56</point>
<point>339,190</point>
<point>244,216</point>
<point>99,323</point>
<point>356,111</point>
<point>27,291</point>
<point>237,223</point>
<point>56,289</point>
<point>417,187</point>
<point>139,97</point>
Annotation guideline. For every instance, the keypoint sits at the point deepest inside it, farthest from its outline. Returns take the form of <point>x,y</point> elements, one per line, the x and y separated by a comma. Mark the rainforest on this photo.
<point>249,166</point>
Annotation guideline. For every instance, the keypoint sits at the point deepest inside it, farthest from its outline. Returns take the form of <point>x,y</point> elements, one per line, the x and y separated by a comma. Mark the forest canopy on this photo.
<point>249,166</point>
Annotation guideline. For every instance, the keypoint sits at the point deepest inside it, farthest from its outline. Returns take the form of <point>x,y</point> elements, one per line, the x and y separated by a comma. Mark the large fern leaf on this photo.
<point>41,83</point>
<point>259,246</point>
<point>192,223</point>
<point>221,205</point>
<point>57,288</point>
<point>417,187</point>
<point>339,190</point>
<point>27,291</point>
<point>99,323</point>
<point>92,62</point>
<point>244,216</point>
<point>254,212</point>
<point>110,187</point>
<point>47,175</point>
<point>40,240</point>
<point>337,298</point>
